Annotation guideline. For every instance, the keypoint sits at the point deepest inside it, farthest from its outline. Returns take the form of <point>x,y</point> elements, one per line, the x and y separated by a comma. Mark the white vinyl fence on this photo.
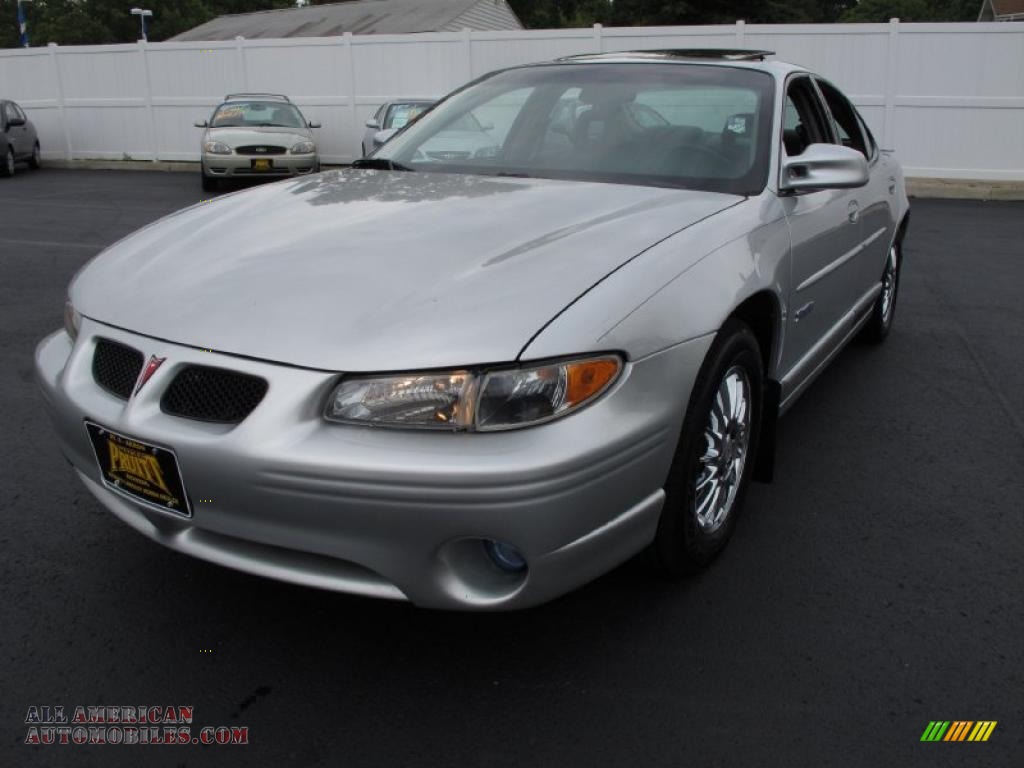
<point>948,97</point>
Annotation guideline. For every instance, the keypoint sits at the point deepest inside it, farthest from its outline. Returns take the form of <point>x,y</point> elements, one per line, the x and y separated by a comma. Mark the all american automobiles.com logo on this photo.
<point>125,725</point>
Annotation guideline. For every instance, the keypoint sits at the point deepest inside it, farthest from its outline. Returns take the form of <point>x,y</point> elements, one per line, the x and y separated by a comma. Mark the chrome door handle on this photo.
<point>854,211</point>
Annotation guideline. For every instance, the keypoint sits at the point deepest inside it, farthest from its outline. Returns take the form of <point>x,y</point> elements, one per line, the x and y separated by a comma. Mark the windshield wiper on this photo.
<point>380,164</point>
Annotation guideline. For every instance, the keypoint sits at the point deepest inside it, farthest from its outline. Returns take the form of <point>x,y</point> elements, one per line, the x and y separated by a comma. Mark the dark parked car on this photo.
<point>18,138</point>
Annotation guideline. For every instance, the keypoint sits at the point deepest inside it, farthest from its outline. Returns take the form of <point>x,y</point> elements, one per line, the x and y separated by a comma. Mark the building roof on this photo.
<point>1007,7</point>
<point>360,17</point>
<point>1002,9</point>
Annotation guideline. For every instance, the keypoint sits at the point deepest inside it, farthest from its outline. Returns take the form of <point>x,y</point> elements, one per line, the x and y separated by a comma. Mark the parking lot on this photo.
<point>875,586</point>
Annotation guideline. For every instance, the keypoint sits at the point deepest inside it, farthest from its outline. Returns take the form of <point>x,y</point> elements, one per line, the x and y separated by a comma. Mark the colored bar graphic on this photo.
<point>958,730</point>
<point>935,730</point>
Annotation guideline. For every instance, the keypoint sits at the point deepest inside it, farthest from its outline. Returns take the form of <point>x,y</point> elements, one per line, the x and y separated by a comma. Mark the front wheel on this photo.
<point>210,185</point>
<point>715,456</point>
<point>7,165</point>
<point>36,161</point>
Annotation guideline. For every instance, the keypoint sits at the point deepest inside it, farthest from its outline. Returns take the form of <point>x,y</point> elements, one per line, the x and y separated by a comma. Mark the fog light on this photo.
<point>505,556</point>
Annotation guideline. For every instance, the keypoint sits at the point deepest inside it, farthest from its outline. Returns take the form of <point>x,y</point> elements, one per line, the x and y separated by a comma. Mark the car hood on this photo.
<point>372,270</point>
<point>239,137</point>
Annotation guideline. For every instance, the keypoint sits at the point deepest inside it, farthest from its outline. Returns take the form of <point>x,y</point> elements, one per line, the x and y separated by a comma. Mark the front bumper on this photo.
<point>382,512</point>
<point>235,165</point>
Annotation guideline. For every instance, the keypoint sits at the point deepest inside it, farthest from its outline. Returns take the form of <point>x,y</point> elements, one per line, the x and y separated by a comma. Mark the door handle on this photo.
<point>853,211</point>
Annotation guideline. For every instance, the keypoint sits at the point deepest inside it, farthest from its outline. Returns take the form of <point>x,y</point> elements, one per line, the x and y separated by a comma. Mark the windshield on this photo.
<point>254,114</point>
<point>679,125</point>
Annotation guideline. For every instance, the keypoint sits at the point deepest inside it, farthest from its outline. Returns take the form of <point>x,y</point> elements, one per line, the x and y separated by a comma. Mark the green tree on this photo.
<point>83,22</point>
<point>913,10</point>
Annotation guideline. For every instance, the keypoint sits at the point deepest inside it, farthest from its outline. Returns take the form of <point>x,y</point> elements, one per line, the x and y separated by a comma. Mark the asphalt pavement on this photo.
<point>875,586</point>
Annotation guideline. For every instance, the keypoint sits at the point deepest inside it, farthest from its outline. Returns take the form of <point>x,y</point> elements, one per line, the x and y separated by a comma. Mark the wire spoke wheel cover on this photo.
<point>726,445</point>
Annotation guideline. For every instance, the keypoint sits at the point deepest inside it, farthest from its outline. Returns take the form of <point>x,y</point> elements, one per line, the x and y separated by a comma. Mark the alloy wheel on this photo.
<point>726,444</point>
<point>889,284</point>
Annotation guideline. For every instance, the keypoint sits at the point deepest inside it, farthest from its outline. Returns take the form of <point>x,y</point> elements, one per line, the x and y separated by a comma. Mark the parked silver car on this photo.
<point>389,118</point>
<point>480,381</point>
<point>466,137</point>
<point>18,139</point>
<point>256,135</point>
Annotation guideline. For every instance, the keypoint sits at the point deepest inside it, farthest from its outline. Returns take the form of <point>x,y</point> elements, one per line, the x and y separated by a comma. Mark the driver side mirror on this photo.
<point>372,123</point>
<point>15,121</point>
<point>201,124</point>
<point>824,166</point>
<point>314,123</point>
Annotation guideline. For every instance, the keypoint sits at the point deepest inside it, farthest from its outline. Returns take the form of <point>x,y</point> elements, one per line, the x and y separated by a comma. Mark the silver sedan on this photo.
<point>18,139</point>
<point>256,136</point>
<point>481,379</point>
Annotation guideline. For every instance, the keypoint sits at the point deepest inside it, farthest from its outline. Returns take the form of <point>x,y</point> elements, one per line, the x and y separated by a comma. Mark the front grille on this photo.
<point>115,367</point>
<point>260,150</point>
<point>213,394</point>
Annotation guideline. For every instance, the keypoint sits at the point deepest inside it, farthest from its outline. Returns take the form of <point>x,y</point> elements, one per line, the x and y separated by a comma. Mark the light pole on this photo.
<point>142,13</point>
<point>23,23</point>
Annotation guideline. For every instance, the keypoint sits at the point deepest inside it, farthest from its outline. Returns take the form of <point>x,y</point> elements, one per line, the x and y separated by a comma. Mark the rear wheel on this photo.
<point>7,165</point>
<point>880,323</point>
<point>36,161</point>
<point>715,456</point>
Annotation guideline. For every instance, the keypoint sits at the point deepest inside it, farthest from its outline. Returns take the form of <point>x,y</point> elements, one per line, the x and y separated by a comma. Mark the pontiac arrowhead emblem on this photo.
<point>147,372</point>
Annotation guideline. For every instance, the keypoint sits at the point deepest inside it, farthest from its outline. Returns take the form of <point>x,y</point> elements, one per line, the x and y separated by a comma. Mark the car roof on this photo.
<point>257,97</point>
<point>743,58</point>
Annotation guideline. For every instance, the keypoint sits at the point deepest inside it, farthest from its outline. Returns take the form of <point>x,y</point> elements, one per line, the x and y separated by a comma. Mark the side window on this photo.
<point>844,117</point>
<point>803,120</point>
<point>19,112</point>
<point>9,113</point>
<point>871,143</point>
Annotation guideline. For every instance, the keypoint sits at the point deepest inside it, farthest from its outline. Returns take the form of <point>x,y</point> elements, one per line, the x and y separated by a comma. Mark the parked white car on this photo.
<point>389,118</point>
<point>254,135</point>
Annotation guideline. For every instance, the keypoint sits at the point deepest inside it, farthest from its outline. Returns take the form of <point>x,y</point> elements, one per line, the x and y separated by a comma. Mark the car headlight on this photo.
<point>216,148</point>
<point>72,320</point>
<point>487,400</point>
<point>304,148</point>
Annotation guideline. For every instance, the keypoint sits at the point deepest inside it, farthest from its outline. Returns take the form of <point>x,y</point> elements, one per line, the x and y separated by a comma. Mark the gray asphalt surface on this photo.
<point>875,586</point>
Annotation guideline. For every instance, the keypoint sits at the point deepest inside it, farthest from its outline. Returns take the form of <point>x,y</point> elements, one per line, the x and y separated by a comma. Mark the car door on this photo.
<point>878,198</point>
<point>6,129</point>
<point>31,137</point>
<point>825,230</point>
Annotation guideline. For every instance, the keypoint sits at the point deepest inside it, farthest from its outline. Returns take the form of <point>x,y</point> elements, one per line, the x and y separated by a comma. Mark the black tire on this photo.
<point>7,163</point>
<point>36,161</point>
<point>879,325</point>
<point>210,185</point>
<point>683,544</point>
